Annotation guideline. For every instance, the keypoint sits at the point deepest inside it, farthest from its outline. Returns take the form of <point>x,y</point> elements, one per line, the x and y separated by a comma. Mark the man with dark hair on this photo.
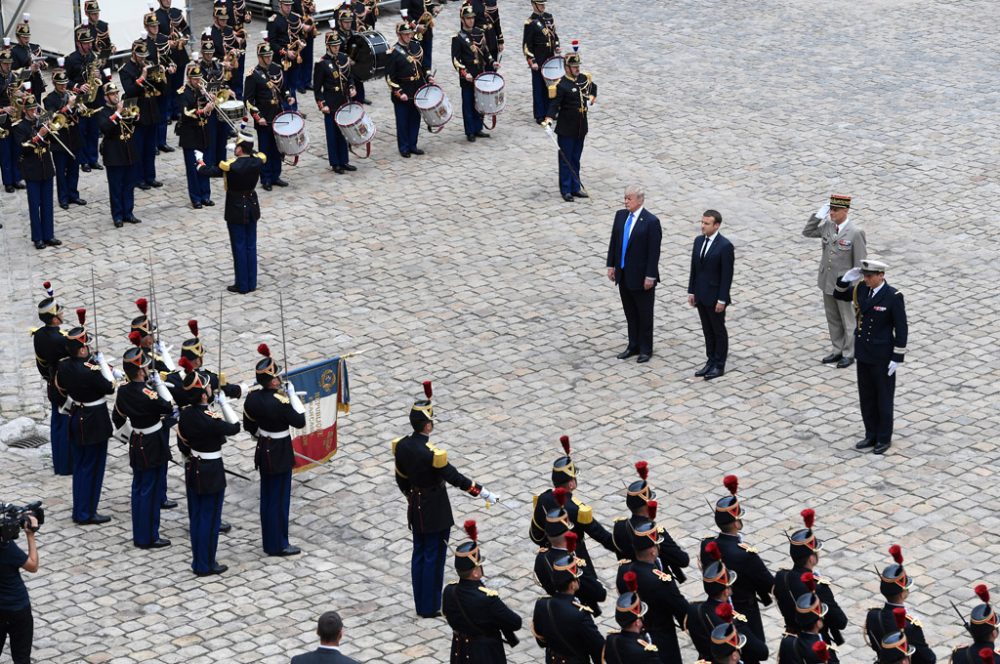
<point>712,259</point>
<point>330,631</point>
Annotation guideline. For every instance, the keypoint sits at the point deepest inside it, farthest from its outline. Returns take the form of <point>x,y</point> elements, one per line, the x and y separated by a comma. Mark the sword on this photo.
<point>93,297</point>
<point>228,472</point>
<point>305,458</point>
<point>565,159</point>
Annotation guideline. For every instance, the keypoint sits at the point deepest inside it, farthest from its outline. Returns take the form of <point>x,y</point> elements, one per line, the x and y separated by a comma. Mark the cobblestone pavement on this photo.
<point>464,266</point>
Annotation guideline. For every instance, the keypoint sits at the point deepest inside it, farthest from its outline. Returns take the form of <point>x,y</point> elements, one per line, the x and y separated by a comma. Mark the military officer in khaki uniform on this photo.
<point>844,247</point>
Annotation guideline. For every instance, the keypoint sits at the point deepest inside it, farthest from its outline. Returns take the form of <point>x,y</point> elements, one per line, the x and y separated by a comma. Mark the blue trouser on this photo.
<point>90,134</point>
<point>539,95</point>
<point>199,186</point>
<point>275,501</point>
<point>166,104</point>
<point>336,144</point>
<point>144,167</point>
<point>291,82</point>
<point>236,83</point>
<point>88,475</point>
<point>215,144</point>
<point>163,477</point>
<point>430,550</point>
<point>121,191</point>
<point>67,177</point>
<point>271,170</point>
<point>62,453</point>
<point>40,209</point>
<point>146,487</point>
<point>10,152</point>
<point>407,125</point>
<point>305,69</point>
<point>243,238</point>
<point>427,43</point>
<point>569,174</point>
<point>359,87</point>
<point>206,514</point>
<point>470,116</point>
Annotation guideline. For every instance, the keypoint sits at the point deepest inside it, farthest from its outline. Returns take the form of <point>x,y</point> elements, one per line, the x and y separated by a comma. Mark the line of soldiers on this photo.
<point>152,395</point>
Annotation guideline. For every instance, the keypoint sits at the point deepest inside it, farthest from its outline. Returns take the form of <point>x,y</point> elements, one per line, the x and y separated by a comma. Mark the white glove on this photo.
<point>823,211</point>
<point>99,357</point>
<point>124,433</point>
<point>892,367</point>
<point>490,497</point>
<point>154,377</point>
<point>118,374</point>
<point>293,397</point>
<point>852,275</point>
<point>199,155</point>
<point>548,129</point>
<point>228,414</point>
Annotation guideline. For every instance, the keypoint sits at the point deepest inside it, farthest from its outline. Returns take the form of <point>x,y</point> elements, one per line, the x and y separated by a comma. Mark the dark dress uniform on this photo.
<point>753,581</point>
<point>591,593</point>
<point>89,431</point>
<point>136,86</point>
<point>421,473</point>
<point>175,383</point>
<point>702,619</point>
<point>242,212</point>
<point>788,587</point>
<point>488,20</point>
<point>333,82</point>
<point>10,149</point>
<point>22,56</point>
<point>192,130</point>
<point>568,107</point>
<point>415,10</point>
<point>879,622</point>
<point>65,161</point>
<point>38,169</point>
<point>160,54</point>
<point>470,55</point>
<point>629,648</point>
<point>672,557</point>
<point>50,347</point>
<point>119,162</point>
<point>880,337</point>
<point>100,31</point>
<point>540,42</point>
<point>405,76</point>
<point>798,649</point>
<point>307,33</point>
<point>217,131</point>
<point>279,34</point>
<point>148,452</point>
<point>478,617</point>
<point>565,628</point>
<point>78,69</point>
<point>204,432</point>
<point>668,609</point>
<point>225,39</point>
<point>268,414</point>
<point>174,24</point>
<point>970,654</point>
<point>263,93</point>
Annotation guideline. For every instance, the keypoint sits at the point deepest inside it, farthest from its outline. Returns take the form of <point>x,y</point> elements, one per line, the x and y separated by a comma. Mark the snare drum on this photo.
<point>434,107</point>
<point>553,69</point>
<point>357,126</point>
<point>232,109</point>
<point>290,133</point>
<point>370,53</point>
<point>490,97</point>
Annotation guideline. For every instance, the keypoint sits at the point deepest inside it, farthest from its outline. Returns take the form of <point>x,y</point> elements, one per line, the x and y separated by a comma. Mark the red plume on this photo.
<point>264,350</point>
<point>725,612</point>
<point>185,364</point>
<point>471,530</point>
<point>143,305</point>
<point>81,315</point>
<point>427,389</point>
<point>135,336</point>
<point>712,549</point>
<point>561,495</point>
<point>809,580</point>
<point>821,651</point>
<point>983,592</point>
<point>897,553</point>
<point>899,615</point>
<point>642,467</point>
<point>564,441</point>
<point>808,517</point>
<point>631,581</point>
<point>571,539</point>
<point>732,483</point>
<point>986,655</point>
<point>651,507</point>
<point>193,326</point>
<point>46,285</point>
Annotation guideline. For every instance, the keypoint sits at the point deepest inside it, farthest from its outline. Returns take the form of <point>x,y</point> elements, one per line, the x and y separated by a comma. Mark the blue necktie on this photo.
<point>628,229</point>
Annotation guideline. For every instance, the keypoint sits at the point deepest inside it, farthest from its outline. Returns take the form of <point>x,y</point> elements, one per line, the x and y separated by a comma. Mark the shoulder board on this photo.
<point>899,293</point>
<point>914,621</point>
<point>648,647</point>
<point>739,616</point>
<point>452,583</point>
<point>584,515</point>
<point>31,331</point>
<point>747,548</point>
<point>621,518</point>
<point>528,21</point>
<point>273,16</point>
<point>213,414</point>
<point>489,593</point>
<point>585,609</point>
<point>624,561</point>
<point>224,166</point>
<point>394,442</point>
<point>542,549</point>
<point>662,576</point>
<point>92,367</point>
<point>822,580</point>
<point>614,631</point>
<point>281,398</point>
<point>150,393</point>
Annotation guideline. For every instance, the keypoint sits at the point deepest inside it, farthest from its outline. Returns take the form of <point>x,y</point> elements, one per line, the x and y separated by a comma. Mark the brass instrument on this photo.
<point>103,47</point>
<point>93,82</point>
<point>4,133</point>
<point>220,96</point>
<point>128,116</point>
<point>52,127</point>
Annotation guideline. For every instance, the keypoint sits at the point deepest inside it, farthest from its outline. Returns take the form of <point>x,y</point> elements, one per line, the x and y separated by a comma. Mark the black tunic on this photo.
<point>478,617</point>
<point>423,484</point>
<point>271,411</point>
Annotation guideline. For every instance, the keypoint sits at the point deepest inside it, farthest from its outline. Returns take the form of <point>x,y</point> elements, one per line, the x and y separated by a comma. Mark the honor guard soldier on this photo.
<point>563,626</point>
<point>879,346</point>
<point>421,13</point>
<point>471,57</point>
<point>540,43</point>
<point>263,98</point>
<point>668,609</point>
<point>50,348</point>
<point>982,626</point>
<point>844,247</point>
<point>406,74</point>
<point>157,352</point>
<point>334,87</point>
<point>630,645</point>
<point>145,82</point>
<point>727,644</point>
<point>804,548</point>
<point>118,126</point>
<point>267,415</point>
<point>422,469</point>
<point>488,20</point>
<point>63,102</point>
<point>158,49</point>
<point>561,542</point>
<point>241,174</point>
<point>202,433</point>
<point>894,648</point>
<point>34,140</point>
<point>10,150</point>
<point>895,586</point>
<point>753,580</point>
<point>174,26</point>
<point>86,80</point>
<point>27,57</point>
<point>281,35</point>
<point>807,644</point>
<point>82,379</point>
<point>639,498</point>
<point>139,404</point>
<point>197,108</point>
<point>480,621</point>
<point>581,517</point>
<point>569,100</point>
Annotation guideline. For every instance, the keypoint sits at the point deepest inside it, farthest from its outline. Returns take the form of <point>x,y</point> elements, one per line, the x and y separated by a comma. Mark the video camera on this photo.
<point>13,519</point>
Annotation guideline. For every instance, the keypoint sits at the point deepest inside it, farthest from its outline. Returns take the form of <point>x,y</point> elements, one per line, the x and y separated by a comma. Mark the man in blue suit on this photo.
<point>330,631</point>
<point>633,264</point>
<point>712,259</point>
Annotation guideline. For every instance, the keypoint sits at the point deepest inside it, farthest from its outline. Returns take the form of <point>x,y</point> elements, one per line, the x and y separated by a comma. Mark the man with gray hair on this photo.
<point>330,631</point>
<point>633,264</point>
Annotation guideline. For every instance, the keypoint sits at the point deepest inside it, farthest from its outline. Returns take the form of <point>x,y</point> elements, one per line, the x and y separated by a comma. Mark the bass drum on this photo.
<point>369,51</point>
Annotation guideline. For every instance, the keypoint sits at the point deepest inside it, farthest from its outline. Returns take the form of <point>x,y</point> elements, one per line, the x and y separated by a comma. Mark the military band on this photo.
<point>61,103</point>
<point>197,111</point>
<point>118,124</point>
<point>264,95</point>
<point>421,14</point>
<point>86,78</point>
<point>144,81</point>
<point>347,25</point>
<point>173,26</point>
<point>406,73</point>
<point>284,33</point>
<point>35,141</point>
<point>11,101</point>
<point>213,72</point>
<point>471,57</point>
<point>540,42</point>
<point>488,20</point>
<point>335,86</point>
<point>27,58</point>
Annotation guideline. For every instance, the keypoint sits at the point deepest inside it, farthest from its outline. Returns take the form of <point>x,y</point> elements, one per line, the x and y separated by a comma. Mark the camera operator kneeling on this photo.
<point>15,607</point>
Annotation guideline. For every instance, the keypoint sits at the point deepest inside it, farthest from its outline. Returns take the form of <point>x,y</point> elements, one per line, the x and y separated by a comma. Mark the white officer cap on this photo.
<point>872,265</point>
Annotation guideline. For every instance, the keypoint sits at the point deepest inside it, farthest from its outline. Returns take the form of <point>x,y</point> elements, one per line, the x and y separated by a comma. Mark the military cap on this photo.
<point>716,577</point>
<point>467,555</point>
<point>207,45</point>
<point>59,77</point>
<point>112,88</point>
<point>5,55</point>
<point>803,542</point>
<point>149,19</point>
<point>266,368</point>
<point>566,568</point>
<point>467,12</point>
<point>840,201</point>
<point>139,48</point>
<point>894,647</point>
<point>872,265</point>
<point>808,607</point>
<point>143,323</point>
<point>91,7</point>
<point>194,71</point>
<point>893,578</point>
<point>563,468</point>
<point>573,59</point>
<point>345,12</point>
<point>285,2</point>
<point>243,137</point>
<point>728,510</point>
<point>264,50</point>
<point>404,28</point>
<point>30,102</point>
<point>49,307</point>
<point>192,348</point>
<point>195,380</point>
<point>639,492</point>
<point>134,359</point>
<point>23,29</point>
<point>83,34</point>
<point>645,535</point>
<point>422,412</point>
<point>557,521</point>
<point>78,336</point>
<point>983,620</point>
<point>333,38</point>
<point>629,606</point>
<point>726,639</point>
<point>220,11</point>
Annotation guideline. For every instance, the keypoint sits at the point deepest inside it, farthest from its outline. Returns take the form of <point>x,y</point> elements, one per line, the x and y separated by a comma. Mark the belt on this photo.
<point>206,456</point>
<point>273,434</point>
<point>148,430</point>
<point>87,404</point>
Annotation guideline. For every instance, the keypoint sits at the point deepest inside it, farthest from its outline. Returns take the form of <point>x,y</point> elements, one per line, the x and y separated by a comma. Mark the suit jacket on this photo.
<point>323,656</point>
<point>881,332</point>
<point>711,276</point>
<point>241,176</point>
<point>841,251</point>
<point>642,257</point>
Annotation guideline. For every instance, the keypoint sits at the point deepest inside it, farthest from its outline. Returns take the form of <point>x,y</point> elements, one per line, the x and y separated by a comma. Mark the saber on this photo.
<point>305,458</point>
<point>220,334</point>
<point>228,472</point>
<point>284,344</point>
<point>93,297</point>
<point>565,159</point>
<point>348,356</point>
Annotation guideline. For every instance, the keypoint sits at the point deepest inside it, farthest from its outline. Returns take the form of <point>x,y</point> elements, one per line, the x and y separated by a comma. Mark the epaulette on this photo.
<point>580,562</point>
<point>452,583</point>
<point>584,515</point>
<point>542,549</point>
<point>620,518</point>
<point>273,16</point>
<point>662,576</point>
<point>528,21</point>
<point>587,609</point>
<point>614,631</point>
<point>739,616</point>
<point>822,580</point>
<point>440,456</point>
<point>92,367</point>
<point>32,330</point>
<point>212,413</point>
<point>488,592</point>
<point>552,90</point>
<point>648,647</point>
<point>624,561</point>
<point>394,442</point>
<point>150,393</point>
<point>282,398</point>
<point>747,548</point>
<point>914,621</point>
<point>899,293</point>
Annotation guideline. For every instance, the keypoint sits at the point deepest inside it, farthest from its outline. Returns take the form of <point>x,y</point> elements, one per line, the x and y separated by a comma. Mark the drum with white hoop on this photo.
<point>355,124</point>
<point>369,51</point>
<point>232,109</point>
<point>553,69</point>
<point>490,97</point>
<point>290,133</point>
<point>434,107</point>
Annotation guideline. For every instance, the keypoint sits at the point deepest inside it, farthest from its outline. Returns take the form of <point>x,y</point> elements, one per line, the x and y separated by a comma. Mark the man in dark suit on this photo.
<point>712,260</point>
<point>330,631</point>
<point>633,264</point>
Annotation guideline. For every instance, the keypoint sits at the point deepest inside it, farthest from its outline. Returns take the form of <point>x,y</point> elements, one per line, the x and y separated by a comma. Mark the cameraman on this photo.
<point>15,607</point>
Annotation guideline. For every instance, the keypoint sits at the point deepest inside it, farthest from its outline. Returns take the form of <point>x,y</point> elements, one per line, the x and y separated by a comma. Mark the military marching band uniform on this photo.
<point>64,158</point>
<point>99,30</point>
<point>80,65</point>
<point>192,129</point>
<point>568,103</point>
<point>137,84</point>
<point>10,150</point>
<point>540,42</point>
<point>120,159</point>
<point>38,169</point>
<point>282,32</point>
<point>471,57</point>
<point>217,131</point>
<point>26,55</point>
<point>405,75</point>
<point>895,584</point>
<point>50,348</point>
<point>267,414</point>
<point>421,13</point>
<point>158,48</point>
<point>173,26</point>
<point>307,34</point>
<point>263,92</point>
<point>488,20</point>
<point>333,89</point>
<point>225,39</point>
<point>346,27</point>
<point>565,628</point>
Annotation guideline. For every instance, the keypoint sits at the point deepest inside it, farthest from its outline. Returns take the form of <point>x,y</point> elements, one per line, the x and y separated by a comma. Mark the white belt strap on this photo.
<point>207,456</point>
<point>273,434</point>
<point>98,402</point>
<point>148,430</point>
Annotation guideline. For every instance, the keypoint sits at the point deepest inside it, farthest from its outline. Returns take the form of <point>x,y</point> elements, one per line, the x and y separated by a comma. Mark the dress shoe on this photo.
<point>267,187</point>
<point>482,134</point>
<point>580,194</point>
<point>627,353</point>
<point>85,168</point>
<point>568,198</point>
<point>97,167</point>
<point>156,544</point>
<point>54,242</point>
<point>217,569</point>
<point>168,504</point>
<point>133,220</point>
<point>339,170</point>
<point>714,372</point>
<point>404,155</point>
<point>234,289</point>
<point>704,370</point>
<point>833,357</point>
<point>436,614</point>
<point>287,551</point>
<point>79,201</point>
<point>864,443</point>
<point>197,206</point>
<point>118,224</point>
<point>471,138</point>
<point>10,189</point>
<point>348,167</point>
<point>417,151</point>
<point>95,520</point>
<point>366,102</point>
<point>643,359</point>
<point>39,245</point>
<point>64,206</point>
<point>225,526</point>
<point>144,187</point>
<point>280,183</point>
<point>156,184</point>
<point>881,448</point>
<point>208,203</point>
<point>165,148</point>
<point>845,362</point>
<point>301,91</point>
<point>20,185</point>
